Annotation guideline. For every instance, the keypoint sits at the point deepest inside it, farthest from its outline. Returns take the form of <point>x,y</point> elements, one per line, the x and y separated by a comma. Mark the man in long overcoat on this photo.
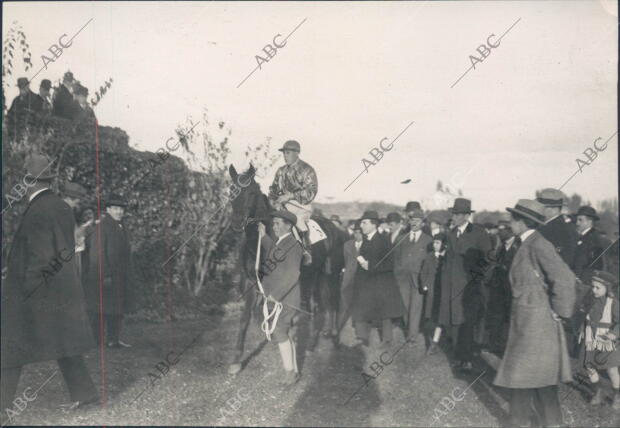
<point>43,309</point>
<point>63,104</point>
<point>543,290</point>
<point>113,254</point>
<point>461,300</point>
<point>409,254</point>
<point>351,250</point>
<point>376,296</point>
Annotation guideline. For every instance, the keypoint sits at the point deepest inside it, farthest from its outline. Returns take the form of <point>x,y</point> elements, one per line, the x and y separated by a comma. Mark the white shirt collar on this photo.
<point>509,243</point>
<point>36,193</point>
<point>282,237</point>
<point>415,234</point>
<point>463,227</point>
<point>525,234</point>
<point>371,234</point>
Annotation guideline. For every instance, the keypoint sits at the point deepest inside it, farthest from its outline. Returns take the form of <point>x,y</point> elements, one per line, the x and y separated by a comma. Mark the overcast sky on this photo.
<point>355,73</point>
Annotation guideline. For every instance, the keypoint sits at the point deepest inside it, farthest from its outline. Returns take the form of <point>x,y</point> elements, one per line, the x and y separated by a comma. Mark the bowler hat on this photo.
<point>46,84</point>
<point>74,190</point>
<point>606,278</point>
<point>38,166</point>
<point>291,145</point>
<point>394,217</point>
<point>22,82</point>
<point>286,215</point>
<point>370,215</point>
<point>589,212</point>
<point>412,205</point>
<point>115,200</point>
<point>528,208</point>
<point>551,197</point>
<point>461,206</point>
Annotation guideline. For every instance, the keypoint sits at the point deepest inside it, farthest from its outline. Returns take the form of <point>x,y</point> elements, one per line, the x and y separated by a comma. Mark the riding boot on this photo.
<point>307,252</point>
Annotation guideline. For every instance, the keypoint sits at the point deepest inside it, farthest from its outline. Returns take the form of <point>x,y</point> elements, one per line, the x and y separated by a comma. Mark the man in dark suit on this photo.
<point>351,250</point>
<point>22,108</point>
<point>590,245</point>
<point>466,260</point>
<point>498,312</point>
<point>395,223</point>
<point>281,284</point>
<point>561,234</point>
<point>409,254</point>
<point>43,309</point>
<point>113,253</point>
<point>376,296</point>
<point>44,94</point>
<point>63,103</point>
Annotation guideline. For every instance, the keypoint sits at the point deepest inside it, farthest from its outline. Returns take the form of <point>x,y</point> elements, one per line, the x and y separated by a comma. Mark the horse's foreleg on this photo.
<point>246,315</point>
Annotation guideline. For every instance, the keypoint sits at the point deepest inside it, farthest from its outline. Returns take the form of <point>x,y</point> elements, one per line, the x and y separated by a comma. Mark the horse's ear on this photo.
<point>233,172</point>
<point>251,170</point>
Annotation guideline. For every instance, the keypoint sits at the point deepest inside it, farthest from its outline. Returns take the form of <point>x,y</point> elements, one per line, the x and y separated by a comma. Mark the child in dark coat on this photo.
<point>430,284</point>
<point>599,337</point>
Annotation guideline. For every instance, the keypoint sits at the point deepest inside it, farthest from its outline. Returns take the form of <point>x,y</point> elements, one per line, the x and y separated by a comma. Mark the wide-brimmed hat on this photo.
<point>291,145</point>
<point>115,200</point>
<point>551,197</point>
<point>394,217</point>
<point>74,190</point>
<point>461,206</point>
<point>22,82</point>
<point>528,208</point>
<point>39,166</point>
<point>608,279</point>
<point>412,205</point>
<point>286,215</point>
<point>370,215</point>
<point>588,211</point>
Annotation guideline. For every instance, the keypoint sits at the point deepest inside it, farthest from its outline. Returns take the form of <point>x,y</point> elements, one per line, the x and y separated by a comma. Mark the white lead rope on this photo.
<point>277,309</point>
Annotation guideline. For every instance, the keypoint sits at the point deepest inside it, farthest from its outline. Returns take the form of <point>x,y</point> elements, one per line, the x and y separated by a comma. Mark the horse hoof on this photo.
<point>233,369</point>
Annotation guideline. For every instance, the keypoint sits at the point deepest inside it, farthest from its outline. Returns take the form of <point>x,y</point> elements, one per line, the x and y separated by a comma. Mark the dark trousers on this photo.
<point>113,325</point>
<point>465,342</point>
<point>77,378</point>
<point>362,330</point>
<point>542,403</point>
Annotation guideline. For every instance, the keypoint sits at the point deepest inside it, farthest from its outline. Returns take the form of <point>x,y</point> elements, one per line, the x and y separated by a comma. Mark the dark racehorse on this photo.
<point>319,281</point>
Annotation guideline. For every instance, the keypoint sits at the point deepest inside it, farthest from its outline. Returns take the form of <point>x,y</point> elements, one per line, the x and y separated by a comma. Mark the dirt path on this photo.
<point>410,390</point>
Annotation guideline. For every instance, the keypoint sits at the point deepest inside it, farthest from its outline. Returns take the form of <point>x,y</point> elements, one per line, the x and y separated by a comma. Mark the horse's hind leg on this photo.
<point>246,315</point>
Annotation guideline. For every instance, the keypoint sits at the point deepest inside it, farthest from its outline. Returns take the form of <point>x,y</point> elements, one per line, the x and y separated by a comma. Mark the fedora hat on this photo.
<point>286,215</point>
<point>370,215</point>
<point>39,166</point>
<point>588,211</point>
<point>528,208</point>
<point>291,145</point>
<point>115,200</point>
<point>74,190</point>
<point>412,205</point>
<point>551,197</point>
<point>461,206</point>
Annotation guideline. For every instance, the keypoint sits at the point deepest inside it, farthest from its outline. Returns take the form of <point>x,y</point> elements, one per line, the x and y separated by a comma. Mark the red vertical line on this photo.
<point>100,257</point>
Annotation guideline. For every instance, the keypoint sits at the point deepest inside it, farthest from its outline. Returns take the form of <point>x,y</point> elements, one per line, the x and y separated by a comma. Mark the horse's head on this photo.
<point>248,205</point>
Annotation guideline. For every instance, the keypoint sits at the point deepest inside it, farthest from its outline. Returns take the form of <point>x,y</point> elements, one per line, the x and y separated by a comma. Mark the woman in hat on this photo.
<point>599,337</point>
<point>430,281</point>
<point>543,290</point>
<point>376,296</point>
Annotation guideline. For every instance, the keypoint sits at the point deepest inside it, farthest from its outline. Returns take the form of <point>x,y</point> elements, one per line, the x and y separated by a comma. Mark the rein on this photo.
<point>277,309</point>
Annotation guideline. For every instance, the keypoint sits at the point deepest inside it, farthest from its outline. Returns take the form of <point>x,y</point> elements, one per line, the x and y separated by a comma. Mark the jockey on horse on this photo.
<point>294,187</point>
